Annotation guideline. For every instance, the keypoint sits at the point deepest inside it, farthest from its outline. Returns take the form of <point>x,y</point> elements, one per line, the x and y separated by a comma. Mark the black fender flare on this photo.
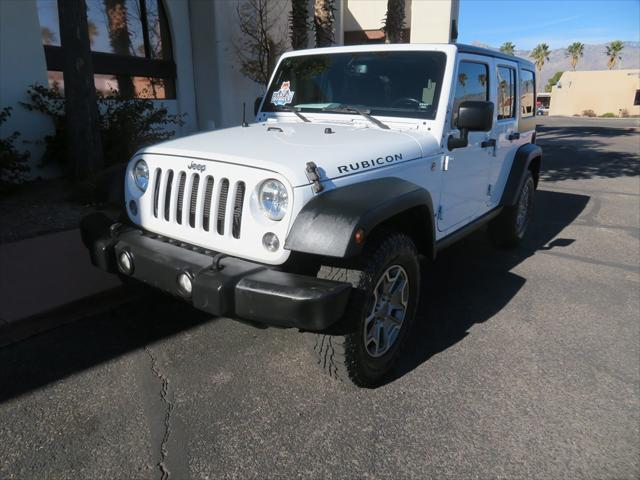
<point>523,158</point>
<point>327,224</point>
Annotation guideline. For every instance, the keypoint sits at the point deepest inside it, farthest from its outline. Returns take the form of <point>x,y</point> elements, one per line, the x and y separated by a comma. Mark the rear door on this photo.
<point>464,179</point>
<point>505,125</point>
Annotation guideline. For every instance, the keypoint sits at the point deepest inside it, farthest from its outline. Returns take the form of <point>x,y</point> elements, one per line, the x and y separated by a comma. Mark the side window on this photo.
<point>472,84</point>
<point>527,93</point>
<point>506,92</point>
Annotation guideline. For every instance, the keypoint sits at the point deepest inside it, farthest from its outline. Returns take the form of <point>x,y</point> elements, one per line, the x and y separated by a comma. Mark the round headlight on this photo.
<point>141,174</point>
<point>274,199</point>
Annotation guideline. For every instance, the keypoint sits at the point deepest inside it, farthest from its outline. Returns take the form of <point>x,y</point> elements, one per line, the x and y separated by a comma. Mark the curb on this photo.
<point>12,332</point>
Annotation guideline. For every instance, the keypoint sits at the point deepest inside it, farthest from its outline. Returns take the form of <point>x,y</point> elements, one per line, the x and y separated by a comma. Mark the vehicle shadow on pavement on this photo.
<point>474,279</point>
<point>573,153</point>
<point>474,283</point>
<point>63,351</point>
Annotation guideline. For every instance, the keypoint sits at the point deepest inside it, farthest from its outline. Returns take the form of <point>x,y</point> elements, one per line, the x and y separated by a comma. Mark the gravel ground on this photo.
<point>39,208</point>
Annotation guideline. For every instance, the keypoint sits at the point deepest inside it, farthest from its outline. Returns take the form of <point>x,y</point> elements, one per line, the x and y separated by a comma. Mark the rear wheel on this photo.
<point>509,228</point>
<point>364,346</point>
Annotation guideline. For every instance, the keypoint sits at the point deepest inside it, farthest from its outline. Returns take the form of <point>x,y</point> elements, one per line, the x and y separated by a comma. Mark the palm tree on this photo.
<point>93,32</point>
<point>48,37</point>
<point>323,22</point>
<point>394,21</point>
<point>540,54</point>
<point>298,24</point>
<point>508,48</point>
<point>575,51</point>
<point>120,40</point>
<point>613,52</point>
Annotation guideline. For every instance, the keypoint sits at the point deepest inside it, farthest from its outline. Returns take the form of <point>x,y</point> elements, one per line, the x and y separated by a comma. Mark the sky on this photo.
<point>558,23</point>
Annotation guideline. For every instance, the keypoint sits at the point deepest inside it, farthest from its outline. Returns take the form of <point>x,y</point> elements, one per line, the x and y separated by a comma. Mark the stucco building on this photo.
<point>182,53</point>
<point>603,91</point>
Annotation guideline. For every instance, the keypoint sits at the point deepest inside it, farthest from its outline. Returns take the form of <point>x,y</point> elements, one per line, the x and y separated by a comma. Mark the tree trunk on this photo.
<point>323,22</point>
<point>394,21</point>
<point>299,24</point>
<point>81,109</point>
<point>120,40</point>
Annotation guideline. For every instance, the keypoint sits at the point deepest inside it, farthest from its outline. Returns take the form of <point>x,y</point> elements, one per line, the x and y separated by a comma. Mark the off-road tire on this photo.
<point>505,230</point>
<point>341,351</point>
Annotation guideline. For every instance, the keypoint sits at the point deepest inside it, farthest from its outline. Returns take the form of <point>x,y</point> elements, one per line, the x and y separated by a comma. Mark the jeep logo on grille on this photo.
<point>197,166</point>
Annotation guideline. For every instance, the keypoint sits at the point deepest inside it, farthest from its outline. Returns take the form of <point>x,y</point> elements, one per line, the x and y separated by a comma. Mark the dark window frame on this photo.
<point>533,75</point>
<point>454,118</point>
<point>128,65</point>
<point>514,102</point>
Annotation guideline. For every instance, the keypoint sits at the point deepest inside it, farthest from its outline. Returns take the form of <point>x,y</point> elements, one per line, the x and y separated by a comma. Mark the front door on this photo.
<point>466,170</point>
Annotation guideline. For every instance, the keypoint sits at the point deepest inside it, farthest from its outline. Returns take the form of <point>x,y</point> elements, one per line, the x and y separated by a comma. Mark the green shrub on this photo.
<point>126,125</point>
<point>588,113</point>
<point>13,163</point>
<point>608,115</point>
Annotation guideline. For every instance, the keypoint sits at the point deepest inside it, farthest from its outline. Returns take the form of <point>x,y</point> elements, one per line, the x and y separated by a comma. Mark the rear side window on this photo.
<point>527,93</point>
<point>506,92</point>
<point>472,83</point>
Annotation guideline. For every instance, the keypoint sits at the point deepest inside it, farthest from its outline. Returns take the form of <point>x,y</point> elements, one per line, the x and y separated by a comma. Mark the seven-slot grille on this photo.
<point>175,199</point>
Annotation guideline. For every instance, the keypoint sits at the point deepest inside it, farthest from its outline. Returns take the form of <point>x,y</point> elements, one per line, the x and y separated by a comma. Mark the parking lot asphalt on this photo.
<point>525,364</point>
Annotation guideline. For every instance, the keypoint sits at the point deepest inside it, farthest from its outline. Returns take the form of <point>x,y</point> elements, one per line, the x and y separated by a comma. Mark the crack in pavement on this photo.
<point>164,471</point>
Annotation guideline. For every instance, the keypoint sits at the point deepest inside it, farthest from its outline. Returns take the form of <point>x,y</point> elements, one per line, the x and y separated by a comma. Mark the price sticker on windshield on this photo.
<point>283,96</point>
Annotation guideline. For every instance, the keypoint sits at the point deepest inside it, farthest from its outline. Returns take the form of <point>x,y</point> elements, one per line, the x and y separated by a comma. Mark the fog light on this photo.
<point>270,241</point>
<point>185,284</point>
<point>125,262</point>
<point>133,207</point>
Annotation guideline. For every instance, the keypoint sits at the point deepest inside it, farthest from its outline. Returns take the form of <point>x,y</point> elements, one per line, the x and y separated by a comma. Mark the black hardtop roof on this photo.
<point>493,53</point>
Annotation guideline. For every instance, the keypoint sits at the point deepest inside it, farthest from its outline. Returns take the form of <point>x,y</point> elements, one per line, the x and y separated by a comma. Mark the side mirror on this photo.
<point>473,116</point>
<point>256,106</point>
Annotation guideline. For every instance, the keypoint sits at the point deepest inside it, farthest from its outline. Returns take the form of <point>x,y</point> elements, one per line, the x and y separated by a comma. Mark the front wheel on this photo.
<point>365,345</point>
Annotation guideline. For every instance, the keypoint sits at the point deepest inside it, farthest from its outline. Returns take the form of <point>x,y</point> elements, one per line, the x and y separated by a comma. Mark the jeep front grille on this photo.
<point>194,200</point>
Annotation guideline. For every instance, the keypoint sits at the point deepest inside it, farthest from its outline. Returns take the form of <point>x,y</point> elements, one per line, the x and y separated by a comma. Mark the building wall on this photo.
<point>369,14</point>
<point>209,85</point>
<point>222,91</point>
<point>429,20</point>
<point>185,102</point>
<point>22,63</point>
<point>604,91</point>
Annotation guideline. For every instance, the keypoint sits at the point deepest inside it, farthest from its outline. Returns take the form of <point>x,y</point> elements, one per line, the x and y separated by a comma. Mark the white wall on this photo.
<point>232,86</point>
<point>431,20</point>
<point>178,16</point>
<point>369,14</point>
<point>22,63</point>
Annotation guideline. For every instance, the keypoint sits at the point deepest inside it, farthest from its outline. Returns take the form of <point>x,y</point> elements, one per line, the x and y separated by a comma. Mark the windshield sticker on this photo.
<point>283,96</point>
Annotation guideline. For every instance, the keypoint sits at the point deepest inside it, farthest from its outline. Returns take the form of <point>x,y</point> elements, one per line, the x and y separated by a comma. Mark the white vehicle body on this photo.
<point>360,161</point>
<point>464,184</point>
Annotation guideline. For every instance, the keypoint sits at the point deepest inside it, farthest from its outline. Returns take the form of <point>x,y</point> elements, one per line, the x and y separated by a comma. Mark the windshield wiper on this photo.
<point>287,108</point>
<point>363,112</point>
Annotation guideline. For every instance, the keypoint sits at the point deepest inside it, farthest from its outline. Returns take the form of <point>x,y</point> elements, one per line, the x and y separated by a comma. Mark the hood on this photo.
<point>336,149</point>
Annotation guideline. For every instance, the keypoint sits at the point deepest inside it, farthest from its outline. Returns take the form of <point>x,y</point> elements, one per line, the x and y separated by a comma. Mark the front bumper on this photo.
<point>229,286</point>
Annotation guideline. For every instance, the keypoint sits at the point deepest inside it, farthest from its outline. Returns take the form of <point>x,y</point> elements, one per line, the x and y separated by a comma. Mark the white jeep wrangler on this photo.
<point>360,160</point>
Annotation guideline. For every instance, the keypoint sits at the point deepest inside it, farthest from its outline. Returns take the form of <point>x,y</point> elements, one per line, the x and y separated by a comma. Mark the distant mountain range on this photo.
<point>594,59</point>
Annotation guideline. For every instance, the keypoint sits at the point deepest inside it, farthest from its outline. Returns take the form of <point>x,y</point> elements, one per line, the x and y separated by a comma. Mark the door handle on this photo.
<point>489,143</point>
<point>514,136</point>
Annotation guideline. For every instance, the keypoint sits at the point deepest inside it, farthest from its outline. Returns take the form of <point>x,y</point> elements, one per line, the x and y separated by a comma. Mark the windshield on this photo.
<point>393,83</point>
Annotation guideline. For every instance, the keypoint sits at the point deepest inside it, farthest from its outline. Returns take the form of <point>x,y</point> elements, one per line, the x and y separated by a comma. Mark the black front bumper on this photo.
<point>234,287</point>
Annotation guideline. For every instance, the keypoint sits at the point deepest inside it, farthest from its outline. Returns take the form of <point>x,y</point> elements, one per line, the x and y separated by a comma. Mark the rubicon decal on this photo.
<point>376,162</point>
